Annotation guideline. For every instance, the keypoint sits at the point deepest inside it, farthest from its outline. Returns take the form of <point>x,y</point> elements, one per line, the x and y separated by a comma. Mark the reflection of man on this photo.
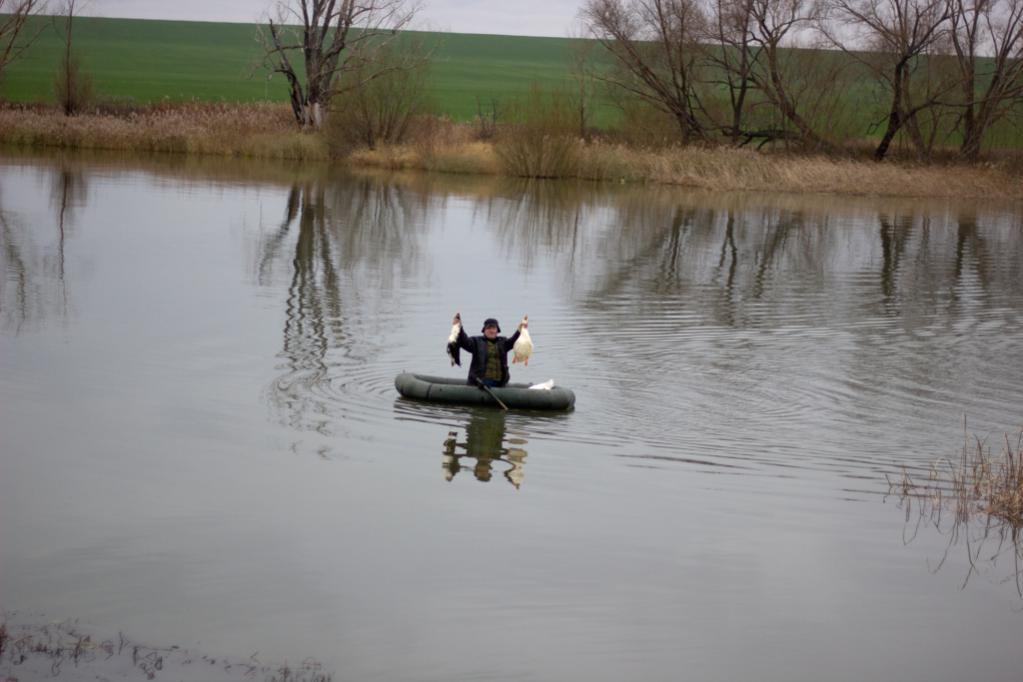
<point>484,441</point>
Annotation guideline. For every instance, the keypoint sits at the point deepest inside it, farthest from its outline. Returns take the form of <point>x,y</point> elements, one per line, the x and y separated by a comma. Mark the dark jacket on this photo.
<point>477,345</point>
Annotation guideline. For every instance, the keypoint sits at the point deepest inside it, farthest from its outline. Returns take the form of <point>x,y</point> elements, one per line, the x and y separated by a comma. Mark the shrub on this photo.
<point>539,141</point>
<point>72,87</point>
<point>379,100</point>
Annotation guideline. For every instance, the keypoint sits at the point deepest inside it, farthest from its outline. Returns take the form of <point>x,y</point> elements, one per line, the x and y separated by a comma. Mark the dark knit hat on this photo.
<point>490,322</point>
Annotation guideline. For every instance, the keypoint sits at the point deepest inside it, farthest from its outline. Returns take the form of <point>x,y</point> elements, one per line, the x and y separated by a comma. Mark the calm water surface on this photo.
<point>200,441</point>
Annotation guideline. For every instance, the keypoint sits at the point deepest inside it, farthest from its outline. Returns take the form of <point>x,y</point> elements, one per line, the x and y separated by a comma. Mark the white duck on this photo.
<point>523,347</point>
<point>452,347</point>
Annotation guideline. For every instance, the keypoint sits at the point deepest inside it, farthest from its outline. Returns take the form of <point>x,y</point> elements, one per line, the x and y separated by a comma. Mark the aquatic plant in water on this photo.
<point>977,499</point>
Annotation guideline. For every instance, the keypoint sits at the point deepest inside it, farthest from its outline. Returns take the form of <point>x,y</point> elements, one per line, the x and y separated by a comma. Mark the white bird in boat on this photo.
<point>523,347</point>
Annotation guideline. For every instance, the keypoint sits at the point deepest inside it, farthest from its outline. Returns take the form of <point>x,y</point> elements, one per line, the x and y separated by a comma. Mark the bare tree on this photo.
<point>898,35</point>
<point>583,82</point>
<point>783,74</point>
<point>72,85</point>
<point>989,86</point>
<point>654,43</point>
<point>756,47</point>
<point>729,48</point>
<point>14,39</point>
<point>331,37</point>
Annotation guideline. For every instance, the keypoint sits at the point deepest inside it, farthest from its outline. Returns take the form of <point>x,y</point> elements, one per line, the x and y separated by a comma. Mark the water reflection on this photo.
<point>345,244</point>
<point>779,312</point>
<point>866,304</point>
<point>486,442</point>
<point>33,277</point>
<point>803,343</point>
<point>668,242</point>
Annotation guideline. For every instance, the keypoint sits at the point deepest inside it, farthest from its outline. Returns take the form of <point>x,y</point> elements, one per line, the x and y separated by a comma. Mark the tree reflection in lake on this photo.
<point>345,244</point>
<point>33,281</point>
<point>486,442</point>
<point>69,193</point>
<point>888,286</point>
<point>635,276</point>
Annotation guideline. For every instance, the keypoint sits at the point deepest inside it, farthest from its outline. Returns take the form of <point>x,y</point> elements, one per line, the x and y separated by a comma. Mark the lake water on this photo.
<point>201,444</point>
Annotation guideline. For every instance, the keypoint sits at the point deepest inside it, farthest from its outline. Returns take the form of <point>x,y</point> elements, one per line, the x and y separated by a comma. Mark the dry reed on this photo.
<point>725,169</point>
<point>977,483</point>
<point>241,130</point>
<point>268,131</point>
<point>975,498</point>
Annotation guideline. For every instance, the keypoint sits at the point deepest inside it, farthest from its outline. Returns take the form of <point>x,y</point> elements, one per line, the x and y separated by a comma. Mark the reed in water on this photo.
<point>976,499</point>
<point>979,482</point>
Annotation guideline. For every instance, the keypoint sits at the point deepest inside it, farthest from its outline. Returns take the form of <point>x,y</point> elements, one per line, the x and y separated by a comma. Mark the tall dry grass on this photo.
<point>723,169</point>
<point>976,499</point>
<point>541,139</point>
<point>267,131</point>
<point>978,482</point>
<point>241,130</point>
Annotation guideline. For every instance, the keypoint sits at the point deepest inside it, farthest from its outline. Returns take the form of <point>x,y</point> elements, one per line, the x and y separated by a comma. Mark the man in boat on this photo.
<point>489,364</point>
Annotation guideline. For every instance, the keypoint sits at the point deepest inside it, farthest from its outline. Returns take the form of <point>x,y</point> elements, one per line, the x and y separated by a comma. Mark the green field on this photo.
<point>144,61</point>
<point>155,60</point>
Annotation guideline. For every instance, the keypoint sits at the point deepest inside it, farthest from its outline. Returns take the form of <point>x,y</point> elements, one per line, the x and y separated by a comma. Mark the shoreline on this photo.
<point>267,132</point>
<point>33,647</point>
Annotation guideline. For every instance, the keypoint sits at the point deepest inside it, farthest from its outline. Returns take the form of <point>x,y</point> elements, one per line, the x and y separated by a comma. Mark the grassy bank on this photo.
<point>728,169</point>
<point>267,131</point>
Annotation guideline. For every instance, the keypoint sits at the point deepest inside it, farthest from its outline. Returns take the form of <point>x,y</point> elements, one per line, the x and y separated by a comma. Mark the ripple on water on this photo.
<point>838,361</point>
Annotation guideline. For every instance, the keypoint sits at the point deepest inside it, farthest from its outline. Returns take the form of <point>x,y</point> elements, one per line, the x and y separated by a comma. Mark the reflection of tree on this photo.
<point>28,270</point>
<point>68,192</point>
<point>540,214</point>
<point>775,240</point>
<point>728,247</point>
<point>486,443</point>
<point>347,240</point>
<point>313,312</point>
<point>894,238</point>
<point>665,248</point>
<point>15,305</point>
<point>970,242</point>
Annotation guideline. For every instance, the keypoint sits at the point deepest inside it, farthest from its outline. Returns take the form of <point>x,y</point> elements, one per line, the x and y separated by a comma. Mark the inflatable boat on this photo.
<point>457,392</point>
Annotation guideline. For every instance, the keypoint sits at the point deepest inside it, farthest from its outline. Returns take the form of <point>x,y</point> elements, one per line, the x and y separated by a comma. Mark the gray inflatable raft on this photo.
<point>457,392</point>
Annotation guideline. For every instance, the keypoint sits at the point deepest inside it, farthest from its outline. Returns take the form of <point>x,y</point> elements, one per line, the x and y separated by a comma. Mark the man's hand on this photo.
<point>524,323</point>
<point>458,319</point>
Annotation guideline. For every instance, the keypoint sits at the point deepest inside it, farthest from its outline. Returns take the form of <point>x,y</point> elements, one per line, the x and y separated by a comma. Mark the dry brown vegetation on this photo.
<point>976,499</point>
<point>726,169</point>
<point>978,483</point>
<point>267,131</point>
<point>247,130</point>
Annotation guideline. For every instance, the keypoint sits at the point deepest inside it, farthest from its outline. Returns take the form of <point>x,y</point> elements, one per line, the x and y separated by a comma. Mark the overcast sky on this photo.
<point>515,17</point>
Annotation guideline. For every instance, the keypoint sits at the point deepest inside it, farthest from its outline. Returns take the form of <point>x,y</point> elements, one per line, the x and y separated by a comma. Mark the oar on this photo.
<point>479,382</point>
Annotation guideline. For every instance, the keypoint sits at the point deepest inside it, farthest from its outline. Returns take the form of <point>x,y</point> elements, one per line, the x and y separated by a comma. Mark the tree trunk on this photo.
<point>970,148</point>
<point>683,126</point>
<point>971,140</point>
<point>894,123</point>
<point>737,106</point>
<point>894,116</point>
